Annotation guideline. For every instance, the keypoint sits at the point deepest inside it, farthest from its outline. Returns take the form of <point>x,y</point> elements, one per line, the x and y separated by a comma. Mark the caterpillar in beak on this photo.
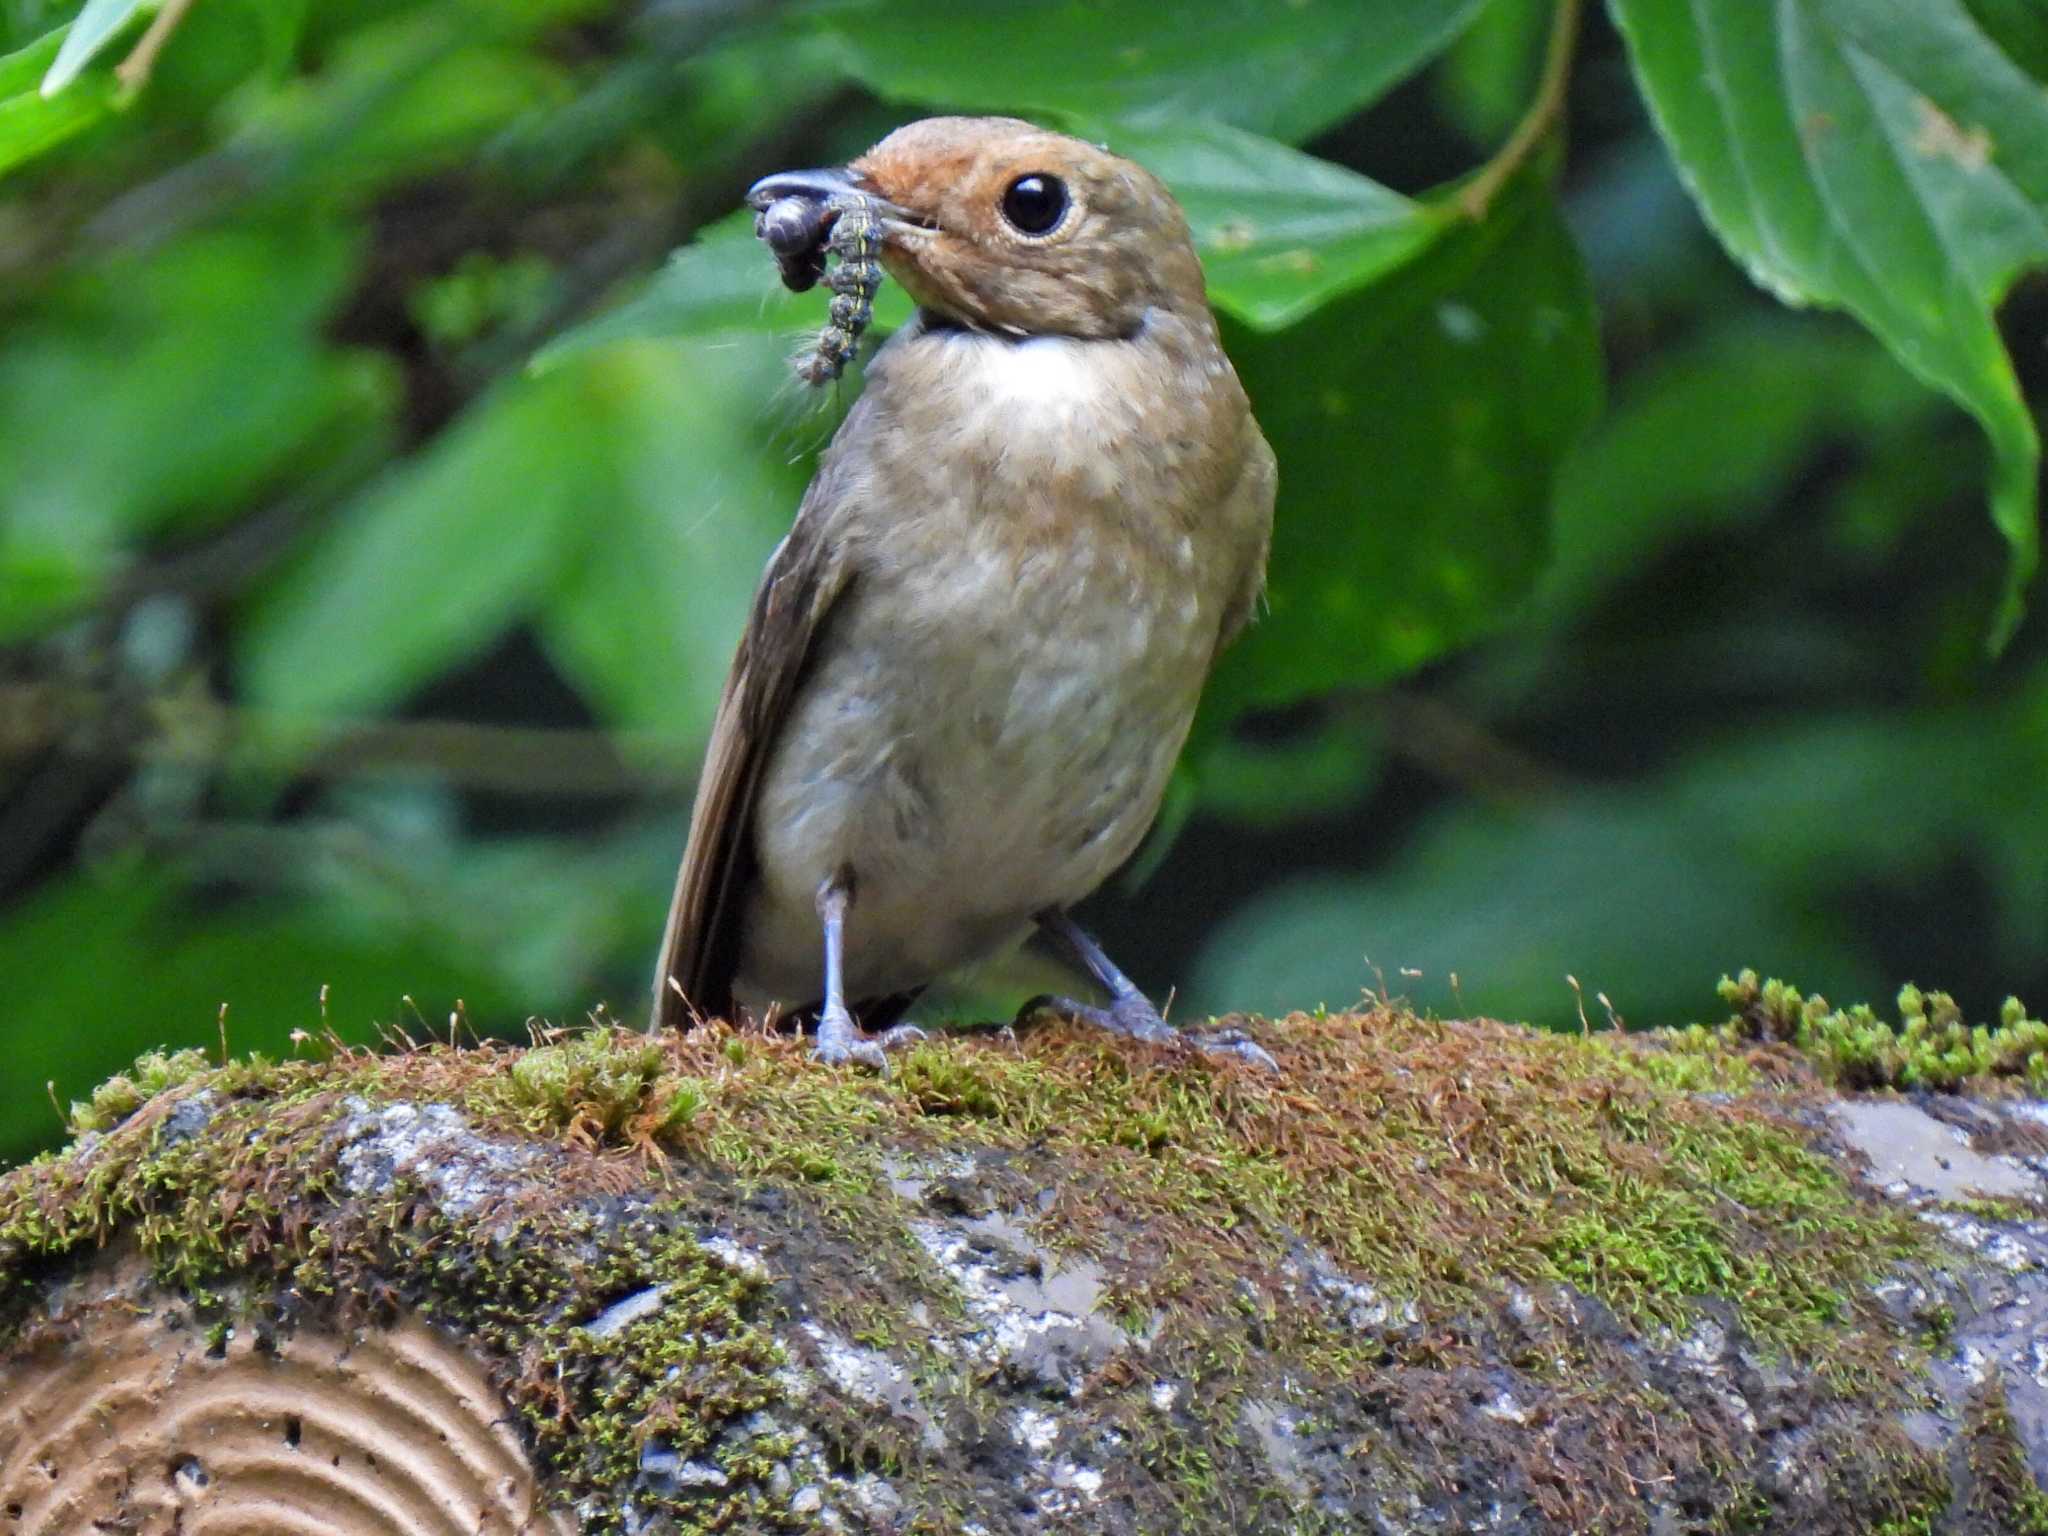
<point>833,239</point>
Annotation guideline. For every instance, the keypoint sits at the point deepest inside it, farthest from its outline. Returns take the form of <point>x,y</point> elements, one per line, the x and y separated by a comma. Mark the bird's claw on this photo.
<point>899,1035</point>
<point>840,1042</point>
<point>1232,1042</point>
<point>1133,1017</point>
<point>1130,1016</point>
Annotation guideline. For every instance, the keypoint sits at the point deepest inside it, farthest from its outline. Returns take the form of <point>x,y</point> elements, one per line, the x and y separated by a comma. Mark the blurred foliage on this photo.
<point>395,414</point>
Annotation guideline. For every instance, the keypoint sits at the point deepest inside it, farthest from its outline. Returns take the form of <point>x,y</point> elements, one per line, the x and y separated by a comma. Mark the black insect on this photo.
<point>795,230</point>
<point>834,240</point>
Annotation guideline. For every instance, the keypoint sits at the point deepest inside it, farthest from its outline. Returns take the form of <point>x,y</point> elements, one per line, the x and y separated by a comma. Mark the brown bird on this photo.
<point>972,662</point>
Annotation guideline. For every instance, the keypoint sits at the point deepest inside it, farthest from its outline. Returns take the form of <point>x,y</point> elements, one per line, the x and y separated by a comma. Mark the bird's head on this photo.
<point>1004,226</point>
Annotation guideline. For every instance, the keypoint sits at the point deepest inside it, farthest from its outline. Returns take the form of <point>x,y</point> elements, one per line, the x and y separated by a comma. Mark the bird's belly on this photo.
<point>968,771</point>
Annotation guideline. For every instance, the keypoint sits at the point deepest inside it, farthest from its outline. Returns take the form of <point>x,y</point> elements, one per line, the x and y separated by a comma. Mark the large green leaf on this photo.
<point>413,93</point>
<point>433,563</point>
<point>1706,438</point>
<point>1287,68</point>
<point>1489,76</point>
<point>1418,425</point>
<point>1280,232</point>
<point>1880,155</point>
<point>2020,28</point>
<point>1613,889</point>
<point>623,502</point>
<point>646,619</point>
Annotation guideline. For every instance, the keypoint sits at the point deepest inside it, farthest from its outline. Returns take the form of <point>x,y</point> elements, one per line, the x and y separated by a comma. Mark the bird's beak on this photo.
<point>822,186</point>
<point>813,186</point>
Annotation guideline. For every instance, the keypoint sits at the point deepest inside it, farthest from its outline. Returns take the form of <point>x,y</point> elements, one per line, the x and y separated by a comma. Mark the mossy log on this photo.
<point>1430,1276</point>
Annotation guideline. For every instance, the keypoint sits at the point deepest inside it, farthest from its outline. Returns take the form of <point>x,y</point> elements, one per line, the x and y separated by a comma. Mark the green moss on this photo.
<point>682,1101</point>
<point>597,1080</point>
<point>1691,1060</point>
<point>685,1378</point>
<point>119,1097</point>
<point>1933,1046</point>
<point>1906,1491</point>
<point>1442,1161</point>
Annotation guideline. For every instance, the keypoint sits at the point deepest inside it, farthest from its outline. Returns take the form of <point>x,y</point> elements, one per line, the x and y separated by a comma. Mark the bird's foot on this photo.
<point>840,1042</point>
<point>1132,1015</point>
<point>1234,1043</point>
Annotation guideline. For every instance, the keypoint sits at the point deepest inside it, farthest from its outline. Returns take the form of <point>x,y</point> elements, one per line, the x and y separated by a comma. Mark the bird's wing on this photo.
<point>700,950</point>
<point>1249,506</point>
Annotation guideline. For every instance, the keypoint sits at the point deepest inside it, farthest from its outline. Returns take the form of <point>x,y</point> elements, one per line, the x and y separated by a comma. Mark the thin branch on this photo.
<point>134,71</point>
<point>193,728</point>
<point>1544,113</point>
<point>1440,739</point>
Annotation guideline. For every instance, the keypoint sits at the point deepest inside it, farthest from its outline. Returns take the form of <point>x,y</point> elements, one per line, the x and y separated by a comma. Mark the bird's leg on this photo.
<point>1129,1012</point>
<point>839,1038</point>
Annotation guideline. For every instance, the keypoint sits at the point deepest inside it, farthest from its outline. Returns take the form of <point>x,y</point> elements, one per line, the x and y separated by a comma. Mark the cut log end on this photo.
<point>125,1415</point>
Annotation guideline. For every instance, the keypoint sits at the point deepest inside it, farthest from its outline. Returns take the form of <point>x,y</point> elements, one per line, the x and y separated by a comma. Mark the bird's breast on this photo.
<point>1106,421</point>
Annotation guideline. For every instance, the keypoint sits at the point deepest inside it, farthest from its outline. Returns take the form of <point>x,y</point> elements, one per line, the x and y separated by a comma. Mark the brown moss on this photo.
<point>2003,1497</point>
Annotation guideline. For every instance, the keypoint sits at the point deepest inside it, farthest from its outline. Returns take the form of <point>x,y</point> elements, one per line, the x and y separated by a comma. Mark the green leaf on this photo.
<point>1286,68</point>
<point>2020,27</point>
<point>98,22</point>
<point>623,503</point>
<point>646,618</point>
<point>724,280</point>
<point>23,69</point>
<point>1611,888</point>
<point>1883,156</point>
<point>1490,73</point>
<point>413,94</point>
<point>433,563</point>
<point>1418,426</point>
<point>1280,232</point>
<point>1317,772</point>
<point>30,121</point>
<point>1755,853</point>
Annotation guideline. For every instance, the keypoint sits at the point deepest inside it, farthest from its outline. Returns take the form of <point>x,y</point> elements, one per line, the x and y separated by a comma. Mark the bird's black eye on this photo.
<point>1035,204</point>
